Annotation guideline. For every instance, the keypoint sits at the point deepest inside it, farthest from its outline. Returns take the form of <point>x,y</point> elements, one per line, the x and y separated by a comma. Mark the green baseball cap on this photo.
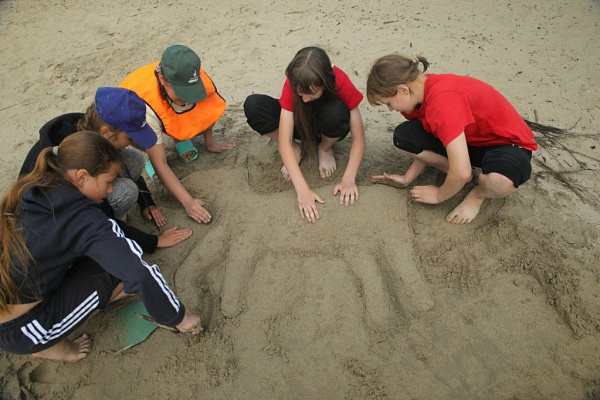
<point>180,66</point>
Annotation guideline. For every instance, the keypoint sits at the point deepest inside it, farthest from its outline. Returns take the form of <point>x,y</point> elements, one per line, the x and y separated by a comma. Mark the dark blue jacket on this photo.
<point>52,134</point>
<point>60,225</point>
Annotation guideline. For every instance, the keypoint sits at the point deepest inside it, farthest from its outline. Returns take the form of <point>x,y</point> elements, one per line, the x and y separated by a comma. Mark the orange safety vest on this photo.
<point>179,126</point>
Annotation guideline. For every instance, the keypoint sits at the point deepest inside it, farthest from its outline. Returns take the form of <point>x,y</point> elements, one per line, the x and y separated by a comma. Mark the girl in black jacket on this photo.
<point>62,259</point>
<point>119,115</point>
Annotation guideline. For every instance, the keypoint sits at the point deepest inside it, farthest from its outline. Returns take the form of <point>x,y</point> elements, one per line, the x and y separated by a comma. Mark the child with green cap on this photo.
<point>182,102</point>
<point>118,115</point>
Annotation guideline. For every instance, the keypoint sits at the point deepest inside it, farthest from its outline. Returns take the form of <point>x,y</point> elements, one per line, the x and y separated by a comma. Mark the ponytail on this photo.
<point>82,150</point>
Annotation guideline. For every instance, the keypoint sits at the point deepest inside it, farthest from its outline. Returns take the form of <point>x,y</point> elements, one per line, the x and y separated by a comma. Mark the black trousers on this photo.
<point>332,118</point>
<point>512,161</point>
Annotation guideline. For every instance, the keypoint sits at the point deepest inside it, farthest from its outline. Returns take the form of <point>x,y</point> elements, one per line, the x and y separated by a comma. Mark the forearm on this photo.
<point>144,197</point>
<point>452,185</point>
<point>357,150</point>
<point>147,242</point>
<point>125,263</point>
<point>355,159</point>
<point>459,170</point>
<point>167,176</point>
<point>286,151</point>
<point>414,170</point>
<point>174,185</point>
<point>291,164</point>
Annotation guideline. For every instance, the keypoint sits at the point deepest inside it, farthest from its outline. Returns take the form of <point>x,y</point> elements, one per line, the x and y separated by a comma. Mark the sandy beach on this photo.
<point>381,300</point>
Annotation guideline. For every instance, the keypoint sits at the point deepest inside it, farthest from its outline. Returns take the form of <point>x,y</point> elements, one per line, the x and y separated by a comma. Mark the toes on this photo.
<point>83,345</point>
<point>326,172</point>
<point>83,341</point>
<point>82,338</point>
<point>453,218</point>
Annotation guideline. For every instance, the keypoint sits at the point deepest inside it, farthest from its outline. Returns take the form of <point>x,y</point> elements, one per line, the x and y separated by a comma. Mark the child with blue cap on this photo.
<point>119,115</point>
<point>63,260</point>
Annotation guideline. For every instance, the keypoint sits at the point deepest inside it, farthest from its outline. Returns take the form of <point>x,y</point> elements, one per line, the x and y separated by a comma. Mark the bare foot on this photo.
<point>298,153</point>
<point>466,211</point>
<point>327,164</point>
<point>67,350</point>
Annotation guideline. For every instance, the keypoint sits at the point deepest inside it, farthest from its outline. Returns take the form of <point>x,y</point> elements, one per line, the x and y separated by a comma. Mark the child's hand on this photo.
<point>195,209</point>
<point>307,205</point>
<point>190,323</point>
<point>173,236</point>
<point>425,194</point>
<point>154,213</point>
<point>394,180</point>
<point>348,192</point>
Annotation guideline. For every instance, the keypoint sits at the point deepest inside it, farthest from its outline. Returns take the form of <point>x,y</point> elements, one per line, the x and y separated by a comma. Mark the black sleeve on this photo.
<point>148,242</point>
<point>105,243</point>
<point>144,197</point>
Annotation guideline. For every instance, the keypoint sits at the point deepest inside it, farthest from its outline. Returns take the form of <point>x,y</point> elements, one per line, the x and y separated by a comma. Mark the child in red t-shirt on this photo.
<point>455,122</point>
<point>317,107</point>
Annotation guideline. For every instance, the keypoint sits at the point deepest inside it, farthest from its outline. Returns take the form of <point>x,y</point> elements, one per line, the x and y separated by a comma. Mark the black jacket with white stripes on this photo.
<point>61,225</point>
<point>52,134</point>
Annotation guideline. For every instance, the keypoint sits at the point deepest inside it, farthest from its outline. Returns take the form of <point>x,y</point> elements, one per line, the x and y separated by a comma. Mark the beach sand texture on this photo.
<point>381,300</point>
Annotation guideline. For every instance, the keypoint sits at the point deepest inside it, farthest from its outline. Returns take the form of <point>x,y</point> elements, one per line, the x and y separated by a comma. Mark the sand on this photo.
<point>380,300</point>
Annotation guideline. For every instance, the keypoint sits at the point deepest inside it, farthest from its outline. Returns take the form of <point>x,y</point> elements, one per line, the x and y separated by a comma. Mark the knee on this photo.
<point>250,103</point>
<point>498,184</point>
<point>124,195</point>
<point>403,140</point>
<point>262,113</point>
<point>253,104</point>
<point>134,162</point>
<point>334,119</point>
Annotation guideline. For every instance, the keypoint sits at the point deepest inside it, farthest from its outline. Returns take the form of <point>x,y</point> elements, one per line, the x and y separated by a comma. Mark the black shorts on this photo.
<point>86,287</point>
<point>332,118</point>
<point>512,161</point>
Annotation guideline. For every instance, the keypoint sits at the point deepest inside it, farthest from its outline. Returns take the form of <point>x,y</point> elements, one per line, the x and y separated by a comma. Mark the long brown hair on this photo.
<point>81,150</point>
<point>309,70</point>
<point>391,71</point>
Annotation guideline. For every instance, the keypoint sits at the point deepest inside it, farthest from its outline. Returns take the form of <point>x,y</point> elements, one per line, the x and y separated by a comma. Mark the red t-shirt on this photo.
<point>454,104</point>
<point>347,92</point>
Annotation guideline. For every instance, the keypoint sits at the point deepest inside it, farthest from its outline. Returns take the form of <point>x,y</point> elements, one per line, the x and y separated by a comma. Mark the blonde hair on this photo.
<point>91,121</point>
<point>391,71</point>
<point>81,150</point>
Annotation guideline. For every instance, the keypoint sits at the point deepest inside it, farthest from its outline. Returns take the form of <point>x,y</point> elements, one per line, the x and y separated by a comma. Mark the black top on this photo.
<point>52,134</point>
<point>60,225</point>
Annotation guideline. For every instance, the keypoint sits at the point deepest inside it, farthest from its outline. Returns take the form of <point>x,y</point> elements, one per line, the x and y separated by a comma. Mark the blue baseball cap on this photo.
<point>126,111</point>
